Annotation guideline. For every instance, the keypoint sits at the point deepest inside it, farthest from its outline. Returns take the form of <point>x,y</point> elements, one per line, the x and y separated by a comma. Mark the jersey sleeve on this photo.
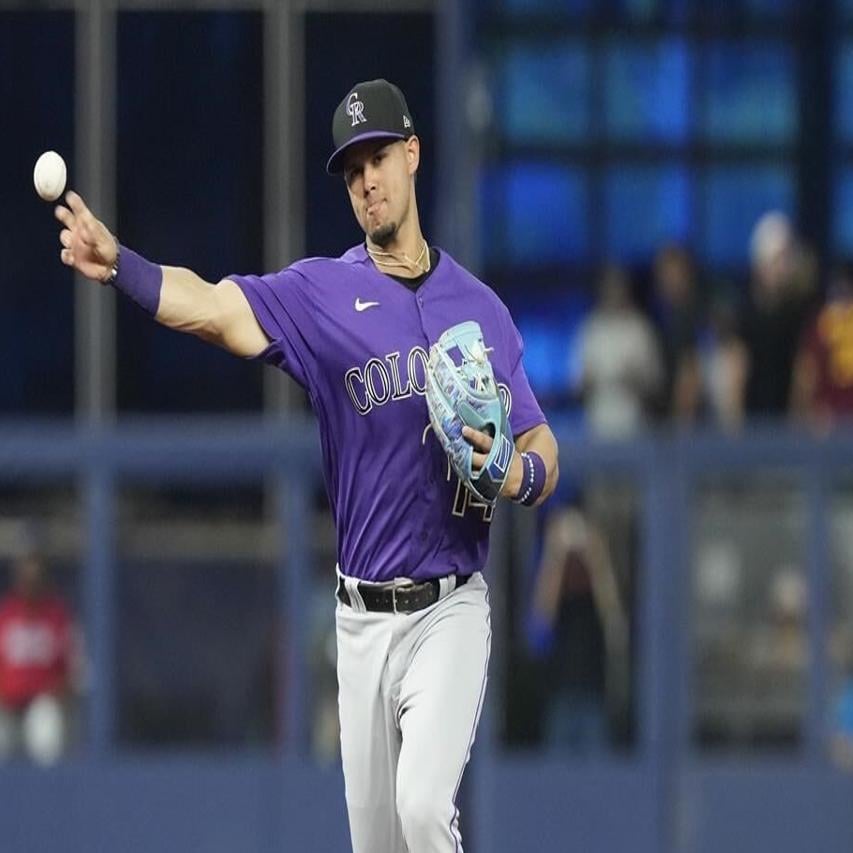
<point>281,304</point>
<point>525,412</point>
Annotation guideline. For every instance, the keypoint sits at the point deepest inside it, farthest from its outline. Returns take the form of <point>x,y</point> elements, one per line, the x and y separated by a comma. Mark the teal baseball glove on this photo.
<point>461,391</point>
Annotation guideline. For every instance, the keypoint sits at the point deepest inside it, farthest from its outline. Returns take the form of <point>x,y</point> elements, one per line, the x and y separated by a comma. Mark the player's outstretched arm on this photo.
<point>183,301</point>
<point>218,313</point>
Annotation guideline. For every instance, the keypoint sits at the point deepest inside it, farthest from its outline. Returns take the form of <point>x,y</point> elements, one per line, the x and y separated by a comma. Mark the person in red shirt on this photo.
<point>823,378</point>
<point>36,642</point>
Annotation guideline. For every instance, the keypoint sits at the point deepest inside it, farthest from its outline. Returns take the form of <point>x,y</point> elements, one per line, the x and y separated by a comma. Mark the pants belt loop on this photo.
<point>351,586</point>
<point>446,585</point>
<point>355,598</point>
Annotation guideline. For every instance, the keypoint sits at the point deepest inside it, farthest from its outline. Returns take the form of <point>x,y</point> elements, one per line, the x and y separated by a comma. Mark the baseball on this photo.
<point>49,176</point>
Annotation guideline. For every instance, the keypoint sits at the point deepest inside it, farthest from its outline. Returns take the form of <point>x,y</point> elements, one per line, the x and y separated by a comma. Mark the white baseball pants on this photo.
<point>411,689</point>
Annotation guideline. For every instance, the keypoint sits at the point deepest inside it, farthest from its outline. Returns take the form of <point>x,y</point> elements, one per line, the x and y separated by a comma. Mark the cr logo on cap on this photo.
<point>355,108</point>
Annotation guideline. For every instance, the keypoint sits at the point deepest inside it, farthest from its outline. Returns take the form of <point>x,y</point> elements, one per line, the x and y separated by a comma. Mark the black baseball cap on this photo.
<point>375,109</point>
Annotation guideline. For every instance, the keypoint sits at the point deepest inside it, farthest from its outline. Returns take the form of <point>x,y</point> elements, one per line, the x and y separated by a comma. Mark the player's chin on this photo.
<point>383,234</point>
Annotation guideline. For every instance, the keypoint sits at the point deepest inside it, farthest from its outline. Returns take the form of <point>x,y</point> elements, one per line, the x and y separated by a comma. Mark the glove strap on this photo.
<point>533,480</point>
<point>489,482</point>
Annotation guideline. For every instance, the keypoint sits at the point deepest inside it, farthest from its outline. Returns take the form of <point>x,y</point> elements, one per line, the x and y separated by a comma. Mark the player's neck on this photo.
<point>406,256</point>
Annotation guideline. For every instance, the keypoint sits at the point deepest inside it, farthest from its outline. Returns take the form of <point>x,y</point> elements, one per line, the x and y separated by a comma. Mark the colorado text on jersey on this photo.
<point>379,381</point>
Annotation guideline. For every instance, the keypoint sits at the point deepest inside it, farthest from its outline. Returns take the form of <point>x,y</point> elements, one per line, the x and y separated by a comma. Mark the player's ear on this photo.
<point>413,154</point>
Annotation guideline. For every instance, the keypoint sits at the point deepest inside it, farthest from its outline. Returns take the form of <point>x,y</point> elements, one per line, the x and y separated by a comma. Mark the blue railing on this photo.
<point>662,796</point>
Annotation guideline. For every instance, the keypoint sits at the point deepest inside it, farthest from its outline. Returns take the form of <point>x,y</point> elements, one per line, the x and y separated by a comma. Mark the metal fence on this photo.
<point>775,500</point>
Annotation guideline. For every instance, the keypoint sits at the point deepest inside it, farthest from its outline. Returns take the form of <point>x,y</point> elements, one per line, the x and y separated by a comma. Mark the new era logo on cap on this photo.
<point>375,109</point>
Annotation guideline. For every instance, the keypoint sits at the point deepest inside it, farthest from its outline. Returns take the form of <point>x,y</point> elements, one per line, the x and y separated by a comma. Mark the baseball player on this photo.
<point>358,332</point>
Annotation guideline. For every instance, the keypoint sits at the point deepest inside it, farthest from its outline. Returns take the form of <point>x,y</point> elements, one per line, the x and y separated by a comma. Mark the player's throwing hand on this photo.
<point>87,244</point>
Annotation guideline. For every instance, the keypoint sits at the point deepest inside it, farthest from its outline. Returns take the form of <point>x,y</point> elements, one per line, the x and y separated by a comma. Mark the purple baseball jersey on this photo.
<point>358,342</point>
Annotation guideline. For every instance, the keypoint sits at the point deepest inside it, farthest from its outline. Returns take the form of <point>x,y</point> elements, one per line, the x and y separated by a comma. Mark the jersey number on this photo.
<point>464,499</point>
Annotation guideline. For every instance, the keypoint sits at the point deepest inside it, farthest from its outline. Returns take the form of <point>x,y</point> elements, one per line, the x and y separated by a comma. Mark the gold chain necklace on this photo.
<point>388,259</point>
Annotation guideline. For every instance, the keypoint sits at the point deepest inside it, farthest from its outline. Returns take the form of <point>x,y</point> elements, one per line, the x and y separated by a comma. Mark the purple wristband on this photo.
<point>533,479</point>
<point>139,279</point>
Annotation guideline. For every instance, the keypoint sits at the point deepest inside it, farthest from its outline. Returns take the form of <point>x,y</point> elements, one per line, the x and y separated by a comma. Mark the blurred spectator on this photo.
<point>780,646</point>
<point>781,286</point>
<point>823,374</point>
<point>621,371</point>
<point>676,295</point>
<point>621,381</point>
<point>37,653</point>
<point>579,629</point>
<point>841,636</point>
<point>724,365</point>
<point>778,657</point>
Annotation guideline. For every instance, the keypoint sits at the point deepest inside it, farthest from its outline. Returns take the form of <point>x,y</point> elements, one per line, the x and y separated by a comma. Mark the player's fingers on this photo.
<point>64,215</point>
<point>82,213</point>
<point>66,257</point>
<point>65,238</point>
<point>477,439</point>
<point>478,460</point>
<point>75,203</point>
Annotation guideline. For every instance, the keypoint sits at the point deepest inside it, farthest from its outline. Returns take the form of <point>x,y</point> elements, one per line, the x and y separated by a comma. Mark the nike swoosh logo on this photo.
<point>363,306</point>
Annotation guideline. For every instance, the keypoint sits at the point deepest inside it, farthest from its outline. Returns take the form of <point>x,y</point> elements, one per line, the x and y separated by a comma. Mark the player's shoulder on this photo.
<point>460,272</point>
<point>461,275</point>
<point>319,269</point>
<point>463,278</point>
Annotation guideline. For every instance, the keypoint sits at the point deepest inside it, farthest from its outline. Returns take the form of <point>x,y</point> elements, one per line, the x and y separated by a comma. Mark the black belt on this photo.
<point>388,598</point>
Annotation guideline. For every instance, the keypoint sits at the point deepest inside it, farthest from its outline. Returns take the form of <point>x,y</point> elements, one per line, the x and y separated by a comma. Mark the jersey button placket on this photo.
<point>431,492</point>
<point>419,300</point>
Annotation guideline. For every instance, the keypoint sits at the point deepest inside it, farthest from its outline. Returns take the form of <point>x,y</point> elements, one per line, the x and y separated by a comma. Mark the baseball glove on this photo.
<point>461,391</point>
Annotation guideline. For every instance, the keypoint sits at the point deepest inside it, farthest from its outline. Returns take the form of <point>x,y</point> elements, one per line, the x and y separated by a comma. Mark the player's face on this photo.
<point>378,176</point>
